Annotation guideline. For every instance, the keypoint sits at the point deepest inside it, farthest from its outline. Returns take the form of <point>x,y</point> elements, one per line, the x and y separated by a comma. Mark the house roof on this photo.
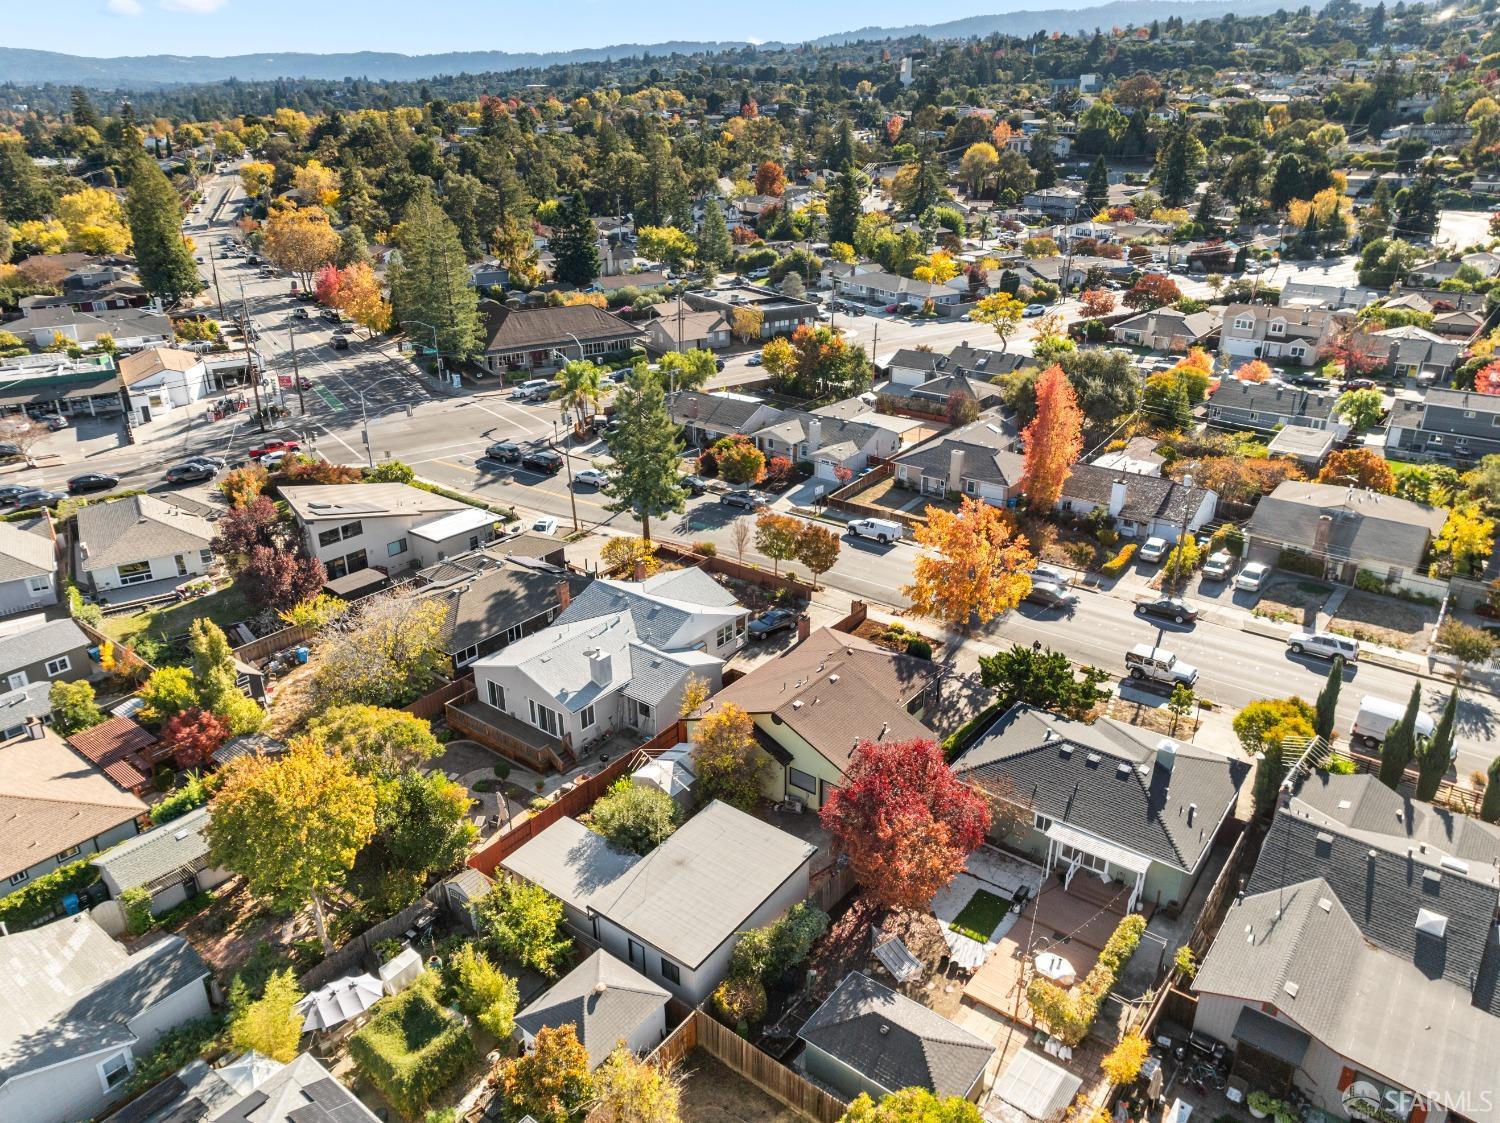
<point>574,864</point>
<point>989,448</point>
<point>724,412</point>
<point>486,602</point>
<point>1112,780</point>
<point>1169,321</point>
<point>1271,398</point>
<point>794,426</point>
<point>833,689</point>
<point>1147,498</point>
<point>896,1042</point>
<point>25,553</point>
<point>175,845</point>
<point>32,701</point>
<point>522,329</point>
<point>67,990</point>
<point>37,645</point>
<point>603,999</point>
<point>700,886</point>
<point>694,325</point>
<point>117,746</point>
<point>302,1091</point>
<point>659,607</point>
<point>342,502</point>
<point>1363,525</point>
<point>156,360</point>
<point>51,802</point>
<point>138,528</point>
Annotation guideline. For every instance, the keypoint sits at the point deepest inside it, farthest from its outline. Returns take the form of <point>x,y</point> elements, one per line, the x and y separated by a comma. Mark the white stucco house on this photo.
<point>390,527</point>
<point>28,567</point>
<point>78,1013</point>
<point>160,380</point>
<point>140,539</point>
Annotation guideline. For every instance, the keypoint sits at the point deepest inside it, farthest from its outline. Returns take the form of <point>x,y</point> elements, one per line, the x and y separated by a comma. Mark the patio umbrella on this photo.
<point>1055,967</point>
<point>339,1001</point>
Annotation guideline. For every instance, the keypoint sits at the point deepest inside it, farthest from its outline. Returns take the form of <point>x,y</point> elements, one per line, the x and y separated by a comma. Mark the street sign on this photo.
<point>284,381</point>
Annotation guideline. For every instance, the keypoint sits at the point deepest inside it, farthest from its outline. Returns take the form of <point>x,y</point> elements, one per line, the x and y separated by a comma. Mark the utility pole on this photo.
<point>253,375</point>
<point>213,264</point>
<point>679,321</point>
<point>297,372</point>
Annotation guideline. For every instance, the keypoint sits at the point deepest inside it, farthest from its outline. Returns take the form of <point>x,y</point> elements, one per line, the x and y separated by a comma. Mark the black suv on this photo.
<point>507,451</point>
<point>543,460</point>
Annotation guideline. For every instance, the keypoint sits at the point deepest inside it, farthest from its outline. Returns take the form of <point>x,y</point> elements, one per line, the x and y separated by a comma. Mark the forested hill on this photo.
<point>22,67</point>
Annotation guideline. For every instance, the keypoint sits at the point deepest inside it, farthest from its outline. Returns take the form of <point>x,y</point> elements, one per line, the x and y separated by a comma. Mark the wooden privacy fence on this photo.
<point>765,1072</point>
<point>728,567</point>
<point>258,649</point>
<point>357,955</point>
<point>432,705</point>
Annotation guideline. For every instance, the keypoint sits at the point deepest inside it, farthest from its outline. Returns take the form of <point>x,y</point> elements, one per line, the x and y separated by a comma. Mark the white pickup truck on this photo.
<point>1156,664</point>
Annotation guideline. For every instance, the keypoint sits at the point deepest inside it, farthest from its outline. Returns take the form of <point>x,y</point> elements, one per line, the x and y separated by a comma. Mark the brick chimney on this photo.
<point>1320,534</point>
<point>956,468</point>
<point>804,627</point>
<point>564,595</point>
<point>640,569</point>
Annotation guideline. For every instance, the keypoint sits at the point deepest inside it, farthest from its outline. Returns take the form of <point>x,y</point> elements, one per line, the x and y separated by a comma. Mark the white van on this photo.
<point>532,388</point>
<point>1377,716</point>
<point>882,530</point>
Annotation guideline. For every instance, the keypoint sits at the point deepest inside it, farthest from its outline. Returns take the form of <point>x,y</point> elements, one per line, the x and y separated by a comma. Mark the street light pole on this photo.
<point>568,464</point>
<point>297,371</point>
<point>245,327</point>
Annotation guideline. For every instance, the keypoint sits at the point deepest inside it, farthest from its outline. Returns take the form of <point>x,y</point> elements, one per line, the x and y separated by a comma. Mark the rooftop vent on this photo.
<point>1431,923</point>
<point>1123,770</point>
<point>1093,759</point>
<point>1450,863</point>
<point>833,678</point>
<point>1291,988</point>
<point>1325,904</point>
<point>884,1029</point>
<point>797,704</point>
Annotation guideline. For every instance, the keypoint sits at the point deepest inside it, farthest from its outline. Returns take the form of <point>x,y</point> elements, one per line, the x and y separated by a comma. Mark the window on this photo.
<point>134,573</point>
<point>467,655</point>
<point>549,721</point>
<point>356,561</point>
<point>586,718</point>
<point>328,538</point>
<point>670,971</point>
<point>802,780</point>
<point>19,878</point>
<point>336,568</point>
<point>58,666</point>
<point>724,635</point>
<point>496,694</point>
<point>41,583</point>
<point>396,547</point>
<point>514,632</point>
<point>206,557</point>
<point>1041,822</point>
<point>739,625</point>
<point>113,1072</point>
<point>1278,327</point>
<point>351,530</point>
<point>1468,413</point>
<point>1244,323</point>
<point>66,854</point>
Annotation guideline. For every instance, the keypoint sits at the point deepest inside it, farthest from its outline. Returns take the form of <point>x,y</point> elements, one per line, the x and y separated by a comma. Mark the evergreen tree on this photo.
<point>161,253</point>
<point>1437,754</point>
<point>1489,807</point>
<point>842,152</point>
<point>430,285</point>
<point>575,244</point>
<point>1270,770</point>
<point>85,116</point>
<point>844,205</point>
<point>24,193</point>
<point>1041,158</point>
<point>1177,166</point>
<point>1205,222</point>
<point>1096,191</point>
<point>714,245</point>
<point>1328,700</point>
<point>646,446</point>
<point>352,248</point>
<point>1401,742</point>
<point>927,187</point>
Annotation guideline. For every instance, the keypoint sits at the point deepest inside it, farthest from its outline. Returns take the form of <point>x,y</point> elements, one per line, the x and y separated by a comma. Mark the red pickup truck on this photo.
<point>273,446</point>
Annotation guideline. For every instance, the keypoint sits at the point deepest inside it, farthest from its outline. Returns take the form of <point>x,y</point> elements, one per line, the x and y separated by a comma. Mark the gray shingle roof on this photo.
<point>491,602</point>
<point>67,989</point>
<point>1272,399</point>
<point>603,999</point>
<point>989,447</point>
<point>713,411</point>
<point>894,1041</point>
<point>1365,526</point>
<point>175,845</point>
<point>34,700</point>
<point>25,553</point>
<point>653,674</point>
<point>137,528</point>
<point>37,645</point>
<point>658,606</point>
<point>1146,497</point>
<point>1132,793</point>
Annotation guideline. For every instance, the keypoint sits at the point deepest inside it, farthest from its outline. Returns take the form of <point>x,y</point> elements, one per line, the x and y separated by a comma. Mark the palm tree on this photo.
<point>581,384</point>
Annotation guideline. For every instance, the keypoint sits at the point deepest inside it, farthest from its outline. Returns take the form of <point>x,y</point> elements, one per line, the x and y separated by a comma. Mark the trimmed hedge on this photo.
<point>1068,1014</point>
<point>1116,565</point>
<point>412,1048</point>
<point>40,899</point>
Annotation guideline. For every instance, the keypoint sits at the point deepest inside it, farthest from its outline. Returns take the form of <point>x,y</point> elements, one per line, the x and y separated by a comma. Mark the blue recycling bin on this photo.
<point>302,654</point>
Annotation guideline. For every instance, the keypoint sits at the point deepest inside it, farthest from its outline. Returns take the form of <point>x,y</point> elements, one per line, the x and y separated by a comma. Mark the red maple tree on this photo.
<point>1487,381</point>
<point>770,178</point>
<point>1095,303</point>
<point>1152,291</point>
<point>193,735</point>
<point>326,282</point>
<point>1054,439</point>
<point>905,821</point>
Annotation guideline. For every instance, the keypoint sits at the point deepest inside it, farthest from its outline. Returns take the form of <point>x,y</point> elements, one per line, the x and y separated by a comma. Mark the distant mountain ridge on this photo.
<point>28,67</point>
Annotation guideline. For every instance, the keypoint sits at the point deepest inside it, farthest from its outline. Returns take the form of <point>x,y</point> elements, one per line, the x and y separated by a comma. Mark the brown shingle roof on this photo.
<point>143,364</point>
<point>522,329</point>
<point>118,747</point>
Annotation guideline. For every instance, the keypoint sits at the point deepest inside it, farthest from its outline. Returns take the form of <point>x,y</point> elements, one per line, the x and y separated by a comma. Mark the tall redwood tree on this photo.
<point>1054,439</point>
<point>905,821</point>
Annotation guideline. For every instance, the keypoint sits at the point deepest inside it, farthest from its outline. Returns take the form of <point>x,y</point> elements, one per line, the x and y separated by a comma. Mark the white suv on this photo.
<point>1323,645</point>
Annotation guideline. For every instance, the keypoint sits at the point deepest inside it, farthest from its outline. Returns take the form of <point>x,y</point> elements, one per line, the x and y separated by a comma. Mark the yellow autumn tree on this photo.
<point>359,295</point>
<point>95,221</point>
<point>43,236</point>
<point>317,183</point>
<point>937,269</point>
<point>976,568</point>
<point>300,240</point>
<point>256,177</point>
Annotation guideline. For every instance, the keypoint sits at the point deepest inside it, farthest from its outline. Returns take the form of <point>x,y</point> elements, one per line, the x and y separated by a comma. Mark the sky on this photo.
<point>222,27</point>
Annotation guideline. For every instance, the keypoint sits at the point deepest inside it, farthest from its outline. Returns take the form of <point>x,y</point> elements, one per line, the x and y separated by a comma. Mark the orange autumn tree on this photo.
<point>770,179</point>
<point>1256,370</point>
<point>977,567</point>
<point>1487,381</point>
<point>1097,303</point>
<point>1361,467</point>
<point>1054,439</point>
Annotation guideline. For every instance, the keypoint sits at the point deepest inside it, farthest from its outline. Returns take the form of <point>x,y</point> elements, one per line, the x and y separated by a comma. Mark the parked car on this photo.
<point>1034,310</point>
<point>881,530</point>
<point>1155,664</point>
<point>547,524</point>
<point>9,492</point>
<point>1049,575</point>
<point>591,477</point>
<point>746,498</point>
<point>301,314</point>
<point>770,622</point>
<point>344,329</point>
<point>543,460</point>
<point>532,389</point>
<point>1324,645</point>
<point>39,497</point>
<point>1376,716</point>
<point>9,448</point>
<point>696,485</point>
<point>1169,608</point>
<point>1219,565</point>
<point>189,472</point>
<point>92,481</point>
<point>754,360</point>
<point>214,462</point>
<point>1154,549</point>
<point>53,421</point>
<point>260,452</point>
<point>1253,577</point>
<point>1049,594</point>
<point>341,343</point>
<point>507,452</point>
<point>329,314</point>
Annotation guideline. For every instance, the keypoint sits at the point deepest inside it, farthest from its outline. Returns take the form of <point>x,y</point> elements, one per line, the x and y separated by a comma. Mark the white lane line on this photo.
<point>359,456</point>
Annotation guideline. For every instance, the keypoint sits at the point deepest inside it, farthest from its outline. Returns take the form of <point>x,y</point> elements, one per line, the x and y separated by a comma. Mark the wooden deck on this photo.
<point>1075,923</point>
<point>515,740</point>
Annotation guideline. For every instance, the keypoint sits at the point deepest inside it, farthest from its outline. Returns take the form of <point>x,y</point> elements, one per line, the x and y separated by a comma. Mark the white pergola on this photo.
<point>1110,857</point>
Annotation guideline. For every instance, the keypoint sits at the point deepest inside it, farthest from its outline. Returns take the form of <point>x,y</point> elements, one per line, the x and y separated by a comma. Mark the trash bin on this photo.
<point>302,654</point>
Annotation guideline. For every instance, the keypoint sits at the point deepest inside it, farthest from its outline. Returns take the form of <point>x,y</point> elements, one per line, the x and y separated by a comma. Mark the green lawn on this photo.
<point>165,625</point>
<point>981,916</point>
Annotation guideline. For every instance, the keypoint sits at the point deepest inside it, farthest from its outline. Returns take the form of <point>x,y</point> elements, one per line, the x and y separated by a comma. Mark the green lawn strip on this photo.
<point>225,607</point>
<point>981,916</point>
